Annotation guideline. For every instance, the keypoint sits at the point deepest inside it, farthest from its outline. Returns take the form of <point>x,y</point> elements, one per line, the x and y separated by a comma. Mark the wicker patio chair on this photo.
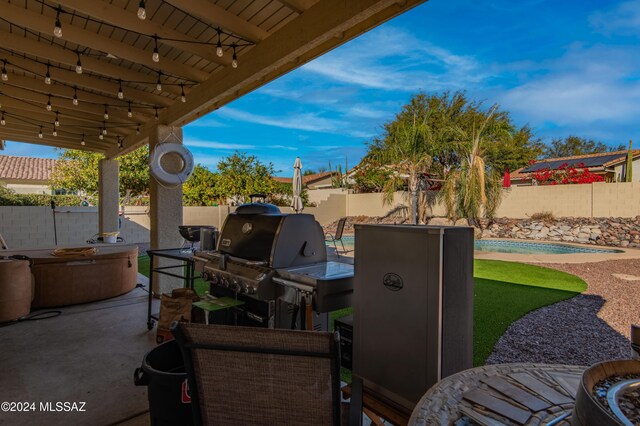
<point>258,376</point>
<point>337,236</point>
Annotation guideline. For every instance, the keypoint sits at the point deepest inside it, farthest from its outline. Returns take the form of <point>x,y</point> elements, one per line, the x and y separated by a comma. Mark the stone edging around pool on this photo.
<point>627,253</point>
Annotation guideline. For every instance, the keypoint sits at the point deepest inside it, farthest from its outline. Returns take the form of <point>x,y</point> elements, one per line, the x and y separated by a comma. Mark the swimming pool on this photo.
<point>520,247</point>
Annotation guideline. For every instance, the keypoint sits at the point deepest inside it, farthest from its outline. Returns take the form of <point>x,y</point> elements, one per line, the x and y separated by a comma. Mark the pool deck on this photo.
<point>627,253</point>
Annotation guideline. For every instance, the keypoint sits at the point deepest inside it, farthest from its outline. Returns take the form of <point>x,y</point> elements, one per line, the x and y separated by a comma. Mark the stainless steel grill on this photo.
<point>277,264</point>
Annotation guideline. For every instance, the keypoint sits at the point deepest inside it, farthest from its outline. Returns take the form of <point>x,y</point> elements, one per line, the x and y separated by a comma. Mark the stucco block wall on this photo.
<point>317,196</point>
<point>561,200</point>
<point>616,200</point>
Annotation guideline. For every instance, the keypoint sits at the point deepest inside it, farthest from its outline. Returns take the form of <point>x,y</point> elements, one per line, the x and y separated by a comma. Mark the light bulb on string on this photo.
<point>55,132</point>
<point>106,113</point>
<point>120,92</point>
<point>5,76</point>
<point>47,76</point>
<point>78,64</point>
<point>137,130</point>
<point>183,97</point>
<point>82,140</point>
<point>120,146</point>
<point>156,54</point>
<point>57,28</point>
<point>75,97</point>
<point>2,120</point>
<point>49,103</point>
<point>129,112</point>
<point>234,59</point>
<point>142,11</point>
<point>156,116</point>
<point>40,135</point>
<point>104,128</point>
<point>57,122</point>
<point>101,136</point>
<point>219,50</point>
<point>159,85</point>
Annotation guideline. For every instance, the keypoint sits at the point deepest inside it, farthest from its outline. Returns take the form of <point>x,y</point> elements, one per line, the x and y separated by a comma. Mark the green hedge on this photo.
<point>38,200</point>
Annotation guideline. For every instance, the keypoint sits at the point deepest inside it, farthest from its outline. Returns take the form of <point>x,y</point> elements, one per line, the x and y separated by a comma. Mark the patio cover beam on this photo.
<point>115,16</point>
<point>218,16</point>
<point>55,53</point>
<point>42,24</point>
<point>298,5</point>
<point>326,25</point>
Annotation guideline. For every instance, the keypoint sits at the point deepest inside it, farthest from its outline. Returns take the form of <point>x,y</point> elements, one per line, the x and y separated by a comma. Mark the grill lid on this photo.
<point>257,208</point>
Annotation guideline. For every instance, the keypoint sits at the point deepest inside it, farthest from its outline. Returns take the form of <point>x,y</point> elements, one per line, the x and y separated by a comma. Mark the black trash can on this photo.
<point>163,372</point>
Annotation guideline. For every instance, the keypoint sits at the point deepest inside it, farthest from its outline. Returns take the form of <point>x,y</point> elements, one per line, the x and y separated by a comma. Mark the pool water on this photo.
<point>506,246</point>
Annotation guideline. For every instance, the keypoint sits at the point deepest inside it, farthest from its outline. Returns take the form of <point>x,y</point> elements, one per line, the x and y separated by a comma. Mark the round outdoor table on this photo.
<point>511,394</point>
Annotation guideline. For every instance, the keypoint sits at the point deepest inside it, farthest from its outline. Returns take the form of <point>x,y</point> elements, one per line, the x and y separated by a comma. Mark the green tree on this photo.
<point>78,171</point>
<point>576,145</point>
<point>472,188</point>
<point>240,175</point>
<point>404,148</point>
<point>201,188</point>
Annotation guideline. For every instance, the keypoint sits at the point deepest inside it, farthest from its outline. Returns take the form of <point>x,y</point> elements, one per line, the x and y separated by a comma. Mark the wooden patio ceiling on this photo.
<point>94,75</point>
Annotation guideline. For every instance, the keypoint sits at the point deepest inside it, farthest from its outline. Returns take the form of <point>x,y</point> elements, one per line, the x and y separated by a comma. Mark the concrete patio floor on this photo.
<point>87,354</point>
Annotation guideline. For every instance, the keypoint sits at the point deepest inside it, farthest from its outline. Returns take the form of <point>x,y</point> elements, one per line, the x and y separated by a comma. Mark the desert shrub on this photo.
<point>546,217</point>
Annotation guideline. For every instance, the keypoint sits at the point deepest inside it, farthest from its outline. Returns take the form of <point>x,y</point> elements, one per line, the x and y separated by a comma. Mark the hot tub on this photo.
<point>72,280</point>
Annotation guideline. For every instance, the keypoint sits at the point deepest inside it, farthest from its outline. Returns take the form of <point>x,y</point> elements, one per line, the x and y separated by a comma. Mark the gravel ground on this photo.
<point>588,328</point>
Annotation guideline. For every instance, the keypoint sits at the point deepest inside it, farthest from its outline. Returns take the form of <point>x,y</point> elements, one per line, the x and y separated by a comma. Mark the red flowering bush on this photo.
<point>565,174</point>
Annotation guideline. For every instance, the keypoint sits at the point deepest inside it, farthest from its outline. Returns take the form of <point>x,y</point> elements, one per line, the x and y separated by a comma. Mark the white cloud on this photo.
<point>622,19</point>
<point>206,121</point>
<point>391,59</point>
<point>585,86</point>
<point>307,121</point>
<point>201,143</point>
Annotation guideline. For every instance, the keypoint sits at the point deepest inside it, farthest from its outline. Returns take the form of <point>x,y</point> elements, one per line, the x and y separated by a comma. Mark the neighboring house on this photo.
<point>315,181</point>
<point>26,175</point>
<point>612,166</point>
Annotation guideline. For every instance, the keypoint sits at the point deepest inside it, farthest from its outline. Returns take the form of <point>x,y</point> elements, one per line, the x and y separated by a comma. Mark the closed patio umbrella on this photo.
<point>506,181</point>
<point>296,203</point>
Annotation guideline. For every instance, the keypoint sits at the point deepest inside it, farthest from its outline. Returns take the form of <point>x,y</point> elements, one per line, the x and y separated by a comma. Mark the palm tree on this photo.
<point>405,150</point>
<point>467,190</point>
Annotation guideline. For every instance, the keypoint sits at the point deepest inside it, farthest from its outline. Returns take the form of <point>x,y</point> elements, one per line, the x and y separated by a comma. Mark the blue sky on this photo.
<point>563,67</point>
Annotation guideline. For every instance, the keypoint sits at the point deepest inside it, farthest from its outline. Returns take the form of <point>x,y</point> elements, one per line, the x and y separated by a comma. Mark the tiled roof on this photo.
<point>26,168</point>
<point>305,179</point>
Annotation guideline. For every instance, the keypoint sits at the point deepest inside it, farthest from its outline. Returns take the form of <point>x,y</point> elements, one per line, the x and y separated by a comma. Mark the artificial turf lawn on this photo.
<point>504,292</point>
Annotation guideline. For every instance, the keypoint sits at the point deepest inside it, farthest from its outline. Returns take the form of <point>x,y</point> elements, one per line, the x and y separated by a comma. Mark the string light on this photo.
<point>156,116</point>
<point>47,76</point>
<point>137,130</point>
<point>82,140</point>
<point>100,136</point>
<point>75,97</point>
<point>219,50</point>
<point>183,97</point>
<point>55,132</point>
<point>104,128</point>
<point>156,55</point>
<point>57,122</point>
<point>40,135</point>
<point>57,29</point>
<point>120,146</point>
<point>49,104</point>
<point>129,112</point>
<point>106,113</point>
<point>2,120</point>
<point>159,84</point>
<point>142,11</point>
<point>78,64</point>
<point>120,92</point>
<point>234,61</point>
<point>5,76</point>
